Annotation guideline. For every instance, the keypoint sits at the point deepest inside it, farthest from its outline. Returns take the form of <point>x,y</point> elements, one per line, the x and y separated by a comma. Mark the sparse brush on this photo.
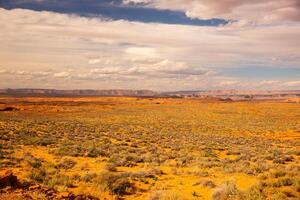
<point>66,163</point>
<point>38,175</point>
<point>32,161</point>
<point>165,195</point>
<point>254,193</point>
<point>226,191</point>
<point>205,183</point>
<point>115,184</point>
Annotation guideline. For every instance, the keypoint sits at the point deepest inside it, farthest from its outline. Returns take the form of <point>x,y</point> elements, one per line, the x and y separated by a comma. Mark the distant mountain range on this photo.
<point>222,94</point>
<point>54,92</point>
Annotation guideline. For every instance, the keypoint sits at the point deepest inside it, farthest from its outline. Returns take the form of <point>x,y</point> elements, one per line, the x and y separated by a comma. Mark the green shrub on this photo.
<point>32,161</point>
<point>38,175</point>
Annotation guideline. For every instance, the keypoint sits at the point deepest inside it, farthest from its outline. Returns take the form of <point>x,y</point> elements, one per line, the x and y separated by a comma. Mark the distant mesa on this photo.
<point>220,95</point>
<point>54,92</point>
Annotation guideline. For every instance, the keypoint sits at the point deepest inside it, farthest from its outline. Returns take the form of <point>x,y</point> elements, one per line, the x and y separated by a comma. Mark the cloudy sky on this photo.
<point>161,45</point>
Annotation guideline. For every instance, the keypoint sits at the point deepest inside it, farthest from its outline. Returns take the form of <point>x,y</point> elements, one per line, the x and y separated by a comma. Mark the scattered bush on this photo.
<point>32,161</point>
<point>38,175</point>
<point>225,191</point>
<point>205,183</point>
<point>116,184</point>
<point>165,195</point>
<point>66,163</point>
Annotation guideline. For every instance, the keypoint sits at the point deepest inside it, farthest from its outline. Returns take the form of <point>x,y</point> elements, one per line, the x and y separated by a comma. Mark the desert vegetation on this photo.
<point>142,148</point>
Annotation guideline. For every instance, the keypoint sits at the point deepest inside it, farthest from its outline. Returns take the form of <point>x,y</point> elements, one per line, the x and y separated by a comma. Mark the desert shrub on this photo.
<point>199,173</point>
<point>76,177</point>
<point>60,179</point>
<point>125,160</point>
<point>93,152</point>
<point>233,152</point>
<point>66,163</point>
<point>278,195</point>
<point>152,173</point>
<point>205,183</point>
<point>277,174</point>
<point>254,193</point>
<point>116,184</point>
<point>38,175</point>
<point>1,154</point>
<point>290,193</point>
<point>89,177</point>
<point>45,141</point>
<point>112,167</point>
<point>30,140</point>
<point>296,184</point>
<point>225,191</point>
<point>282,182</point>
<point>283,159</point>
<point>165,195</point>
<point>209,164</point>
<point>155,171</point>
<point>70,150</point>
<point>209,153</point>
<point>32,161</point>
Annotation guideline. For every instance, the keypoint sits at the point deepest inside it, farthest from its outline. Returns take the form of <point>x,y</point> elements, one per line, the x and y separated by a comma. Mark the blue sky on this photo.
<point>112,9</point>
<point>150,44</point>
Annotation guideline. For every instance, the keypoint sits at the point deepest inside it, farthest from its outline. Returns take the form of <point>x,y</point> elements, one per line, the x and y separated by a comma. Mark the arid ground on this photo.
<point>143,148</point>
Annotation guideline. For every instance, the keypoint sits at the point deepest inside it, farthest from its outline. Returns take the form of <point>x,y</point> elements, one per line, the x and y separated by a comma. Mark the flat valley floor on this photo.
<point>160,148</point>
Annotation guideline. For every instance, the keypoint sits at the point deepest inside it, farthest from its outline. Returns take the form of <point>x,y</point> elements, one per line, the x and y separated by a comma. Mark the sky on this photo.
<point>161,45</point>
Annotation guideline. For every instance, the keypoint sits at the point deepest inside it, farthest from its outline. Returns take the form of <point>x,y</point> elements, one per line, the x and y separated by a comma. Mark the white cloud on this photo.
<point>2,71</point>
<point>136,54</point>
<point>62,74</point>
<point>142,51</point>
<point>261,11</point>
<point>94,61</point>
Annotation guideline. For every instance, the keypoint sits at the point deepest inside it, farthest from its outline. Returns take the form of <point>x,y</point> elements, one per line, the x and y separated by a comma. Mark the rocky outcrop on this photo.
<point>8,179</point>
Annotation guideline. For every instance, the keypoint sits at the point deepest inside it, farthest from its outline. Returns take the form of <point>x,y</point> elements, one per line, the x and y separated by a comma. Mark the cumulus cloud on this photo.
<point>245,10</point>
<point>123,54</point>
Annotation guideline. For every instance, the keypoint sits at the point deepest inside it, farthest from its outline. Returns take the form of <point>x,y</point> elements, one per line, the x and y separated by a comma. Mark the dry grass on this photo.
<point>154,148</point>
